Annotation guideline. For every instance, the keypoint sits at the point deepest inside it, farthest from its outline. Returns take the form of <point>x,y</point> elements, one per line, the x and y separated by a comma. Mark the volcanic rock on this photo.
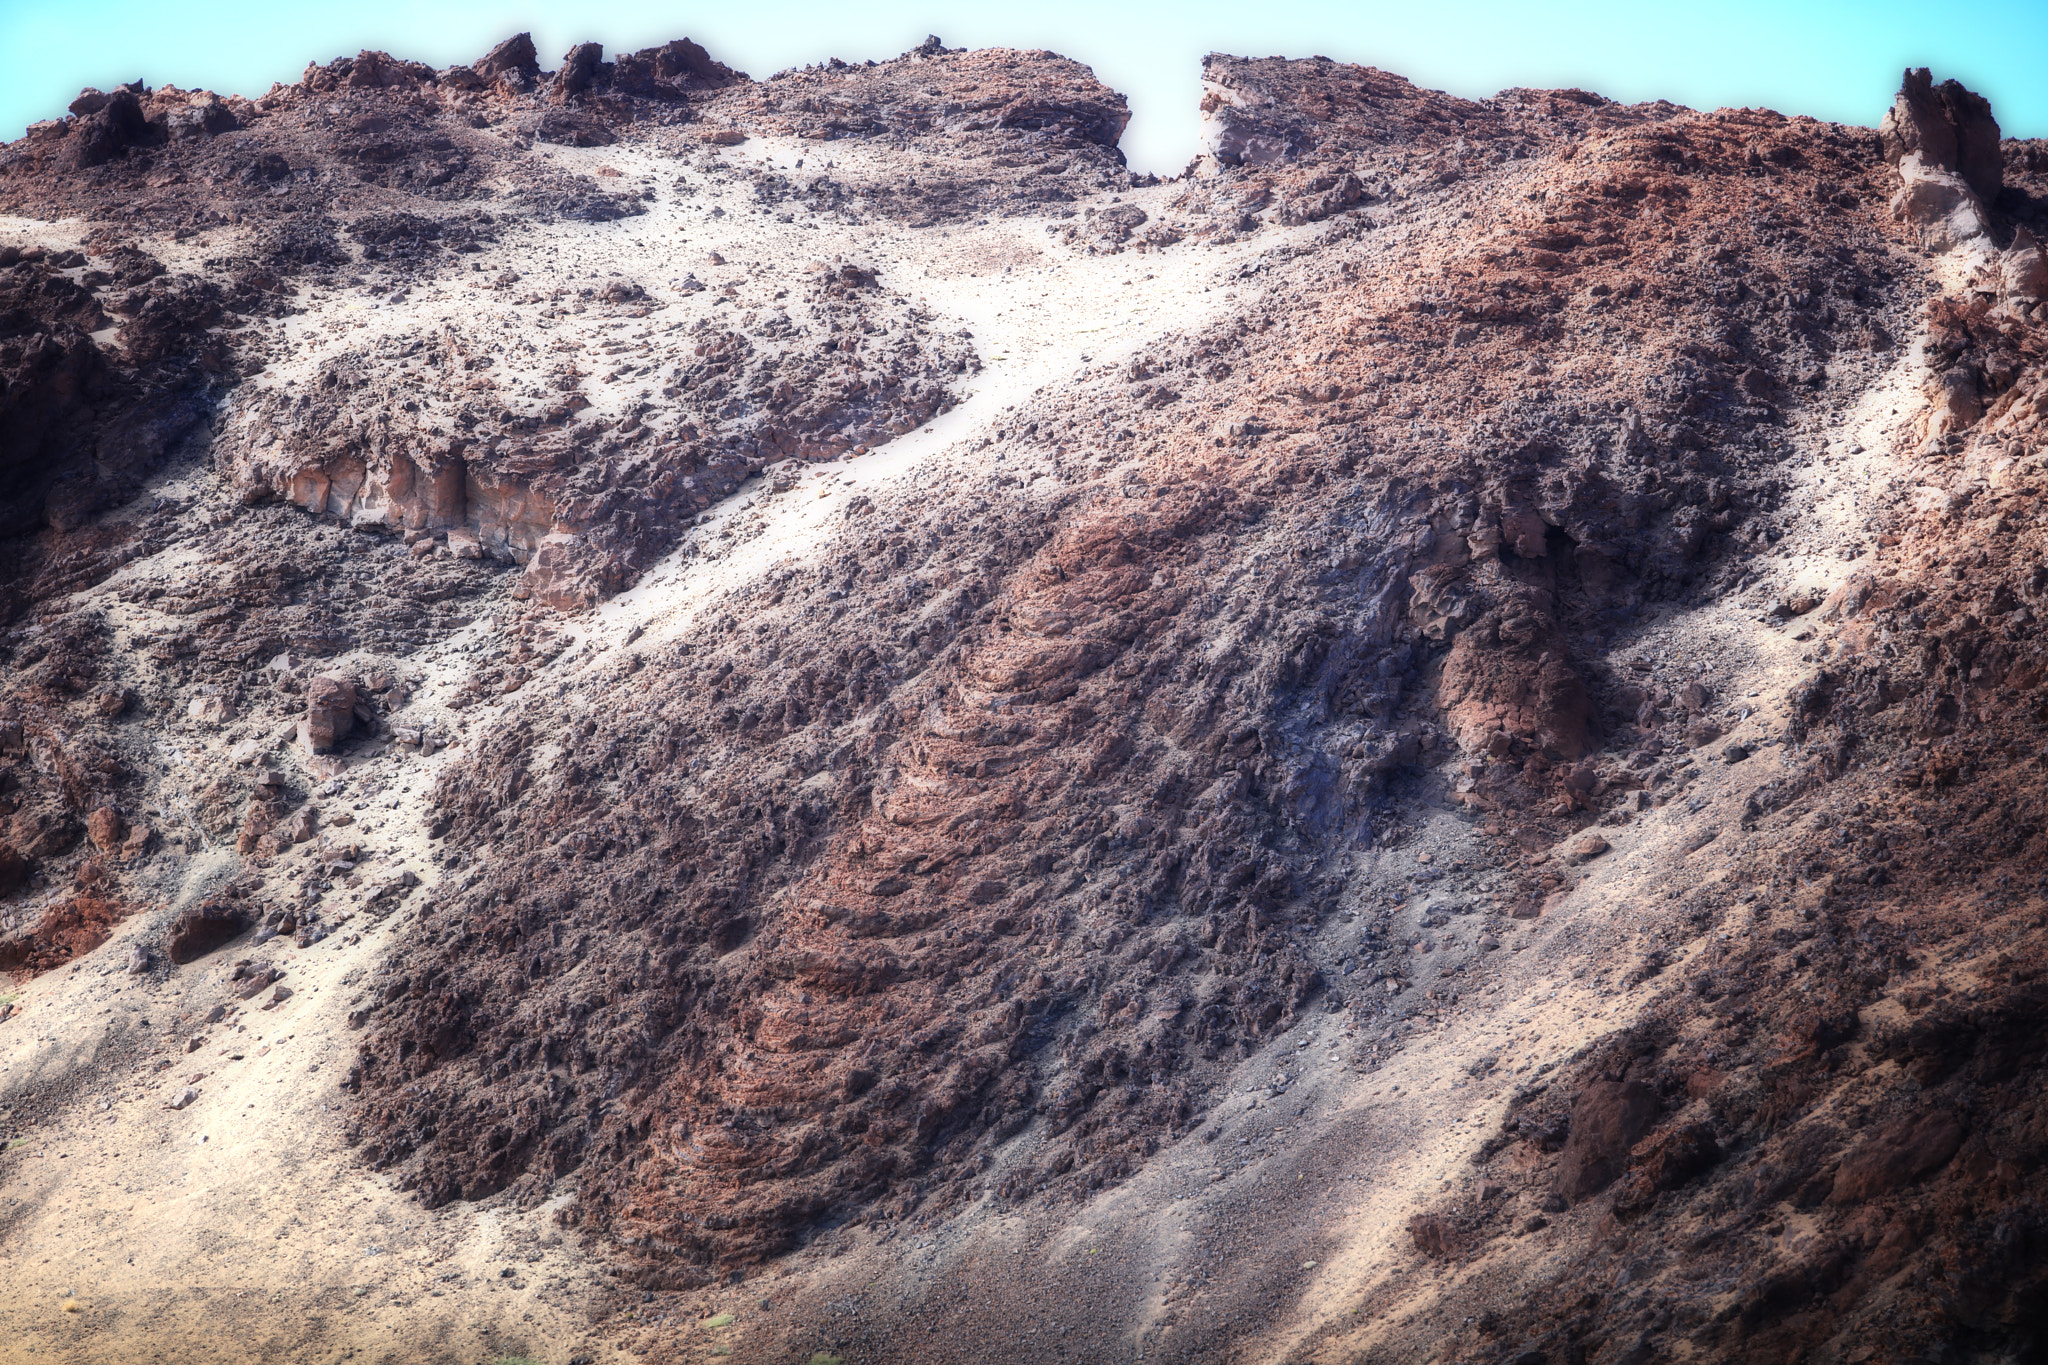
<point>203,929</point>
<point>1901,1153</point>
<point>1607,1119</point>
<point>921,664</point>
<point>330,713</point>
<point>1949,128</point>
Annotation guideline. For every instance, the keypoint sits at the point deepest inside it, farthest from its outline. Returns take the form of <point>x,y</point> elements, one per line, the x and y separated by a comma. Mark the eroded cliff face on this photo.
<point>898,672</point>
<point>429,425</point>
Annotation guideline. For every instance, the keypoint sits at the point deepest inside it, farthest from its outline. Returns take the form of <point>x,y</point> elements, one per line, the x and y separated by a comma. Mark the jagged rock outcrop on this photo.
<point>1949,128</point>
<point>1944,143</point>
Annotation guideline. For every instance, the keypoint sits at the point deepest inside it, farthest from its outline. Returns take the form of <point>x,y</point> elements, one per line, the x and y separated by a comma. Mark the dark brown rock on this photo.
<point>42,832</point>
<point>1665,1161</point>
<point>1898,1155</point>
<point>573,129</point>
<point>252,979</point>
<point>669,71</point>
<point>1607,1120</point>
<point>515,55</point>
<point>330,713</point>
<point>203,929</point>
<point>1436,1235</point>
<point>580,67</point>
<point>1948,126</point>
<point>110,129</point>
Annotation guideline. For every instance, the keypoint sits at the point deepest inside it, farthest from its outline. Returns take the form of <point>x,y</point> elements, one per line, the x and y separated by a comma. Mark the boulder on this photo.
<point>568,574</point>
<point>1941,204</point>
<point>252,980</point>
<point>1898,1155</point>
<point>107,828</point>
<point>109,131</point>
<point>1608,1119</point>
<point>515,55</point>
<point>262,817</point>
<point>202,115</point>
<point>382,71</point>
<point>670,70</point>
<point>1507,675</point>
<point>1586,847</point>
<point>13,870</point>
<point>580,68</point>
<point>2023,270</point>
<point>42,833</point>
<point>330,713</point>
<point>202,929</point>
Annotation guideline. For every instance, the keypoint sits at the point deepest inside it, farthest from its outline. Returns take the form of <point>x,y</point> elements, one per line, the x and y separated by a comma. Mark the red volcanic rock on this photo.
<point>107,828</point>
<point>1510,677</point>
<point>671,71</point>
<point>515,54</point>
<point>1666,1161</point>
<point>108,127</point>
<point>579,68</point>
<point>67,930</point>
<point>367,71</point>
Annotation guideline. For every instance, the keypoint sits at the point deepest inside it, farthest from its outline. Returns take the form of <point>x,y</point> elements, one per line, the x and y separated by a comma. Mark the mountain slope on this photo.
<point>834,695</point>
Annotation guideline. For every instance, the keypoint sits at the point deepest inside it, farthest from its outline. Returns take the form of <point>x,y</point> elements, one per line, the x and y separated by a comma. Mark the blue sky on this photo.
<point>1833,60</point>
